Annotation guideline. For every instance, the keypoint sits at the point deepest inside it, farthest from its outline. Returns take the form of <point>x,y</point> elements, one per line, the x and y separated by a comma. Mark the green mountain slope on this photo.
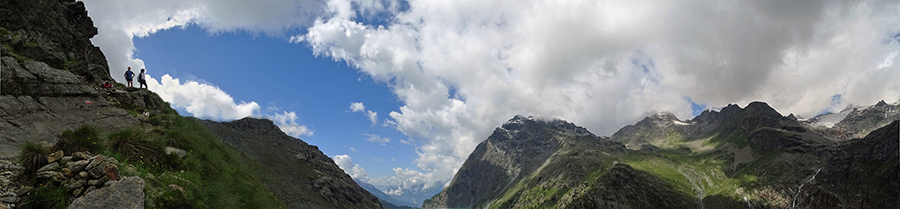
<point>299,174</point>
<point>750,157</point>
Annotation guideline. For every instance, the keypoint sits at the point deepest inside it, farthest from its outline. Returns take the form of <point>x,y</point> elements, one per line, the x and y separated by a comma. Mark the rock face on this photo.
<point>55,32</point>
<point>51,75</point>
<point>126,193</point>
<point>299,174</point>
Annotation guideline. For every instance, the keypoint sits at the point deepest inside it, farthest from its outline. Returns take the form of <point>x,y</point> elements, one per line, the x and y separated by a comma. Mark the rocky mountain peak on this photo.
<point>881,104</point>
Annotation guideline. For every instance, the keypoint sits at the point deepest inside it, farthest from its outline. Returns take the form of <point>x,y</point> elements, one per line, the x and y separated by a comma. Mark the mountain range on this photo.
<point>751,157</point>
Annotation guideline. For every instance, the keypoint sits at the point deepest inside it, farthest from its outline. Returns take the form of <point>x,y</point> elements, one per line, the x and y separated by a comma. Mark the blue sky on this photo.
<point>276,74</point>
<point>441,75</point>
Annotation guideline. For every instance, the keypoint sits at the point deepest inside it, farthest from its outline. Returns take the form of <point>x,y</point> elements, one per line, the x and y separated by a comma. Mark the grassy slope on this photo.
<point>212,174</point>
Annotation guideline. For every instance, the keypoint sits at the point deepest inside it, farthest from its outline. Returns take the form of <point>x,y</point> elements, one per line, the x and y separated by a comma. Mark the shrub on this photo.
<point>84,139</point>
<point>32,156</point>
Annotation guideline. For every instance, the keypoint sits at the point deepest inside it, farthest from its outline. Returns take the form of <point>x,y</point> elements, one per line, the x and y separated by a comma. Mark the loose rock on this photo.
<point>54,156</point>
<point>112,172</point>
<point>49,167</point>
<point>172,150</point>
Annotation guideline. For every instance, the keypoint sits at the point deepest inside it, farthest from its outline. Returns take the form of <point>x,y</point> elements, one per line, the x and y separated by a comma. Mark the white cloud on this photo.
<point>377,139</point>
<point>460,68</point>
<point>120,21</point>
<point>287,122</point>
<point>354,170</point>
<point>406,180</point>
<point>359,107</point>
<point>203,100</point>
<point>352,149</point>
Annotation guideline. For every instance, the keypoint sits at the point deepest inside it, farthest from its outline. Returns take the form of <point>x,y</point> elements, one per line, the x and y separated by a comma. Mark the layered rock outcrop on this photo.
<point>51,76</point>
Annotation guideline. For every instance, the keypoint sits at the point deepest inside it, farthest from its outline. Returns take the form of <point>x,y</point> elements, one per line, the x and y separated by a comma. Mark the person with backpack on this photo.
<point>128,76</point>
<point>141,80</point>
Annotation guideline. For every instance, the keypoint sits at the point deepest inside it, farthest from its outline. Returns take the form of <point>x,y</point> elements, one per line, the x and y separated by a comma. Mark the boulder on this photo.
<point>127,193</point>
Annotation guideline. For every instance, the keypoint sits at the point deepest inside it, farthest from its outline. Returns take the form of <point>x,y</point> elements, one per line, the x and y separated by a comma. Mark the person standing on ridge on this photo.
<point>128,76</point>
<point>141,80</point>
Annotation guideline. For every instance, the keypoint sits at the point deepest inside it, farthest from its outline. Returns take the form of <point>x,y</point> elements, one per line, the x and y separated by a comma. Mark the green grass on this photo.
<point>84,139</point>
<point>69,63</point>
<point>212,174</point>
<point>217,175</point>
<point>46,197</point>
<point>32,156</point>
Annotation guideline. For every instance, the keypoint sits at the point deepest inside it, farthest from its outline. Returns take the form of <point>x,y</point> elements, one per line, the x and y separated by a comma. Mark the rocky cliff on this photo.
<point>751,157</point>
<point>51,76</point>
<point>297,173</point>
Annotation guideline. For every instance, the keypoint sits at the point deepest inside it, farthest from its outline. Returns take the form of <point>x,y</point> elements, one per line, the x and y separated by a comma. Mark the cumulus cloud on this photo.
<point>461,68</point>
<point>118,22</point>
<point>377,139</point>
<point>206,101</point>
<point>354,170</point>
<point>405,180</point>
<point>287,122</point>
<point>359,107</point>
<point>201,100</point>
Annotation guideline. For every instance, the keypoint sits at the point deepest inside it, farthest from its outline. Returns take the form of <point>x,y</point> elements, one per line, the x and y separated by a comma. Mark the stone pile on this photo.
<point>80,173</point>
<point>9,190</point>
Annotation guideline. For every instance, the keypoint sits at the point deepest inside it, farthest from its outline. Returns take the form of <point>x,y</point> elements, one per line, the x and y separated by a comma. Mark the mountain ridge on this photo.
<point>299,174</point>
<point>732,158</point>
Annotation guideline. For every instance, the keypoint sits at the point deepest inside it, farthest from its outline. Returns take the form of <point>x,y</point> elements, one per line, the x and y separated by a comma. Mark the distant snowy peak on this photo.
<point>855,121</point>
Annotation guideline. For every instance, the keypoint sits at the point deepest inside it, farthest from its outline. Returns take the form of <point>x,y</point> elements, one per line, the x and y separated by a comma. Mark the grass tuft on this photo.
<point>135,145</point>
<point>84,139</point>
<point>33,156</point>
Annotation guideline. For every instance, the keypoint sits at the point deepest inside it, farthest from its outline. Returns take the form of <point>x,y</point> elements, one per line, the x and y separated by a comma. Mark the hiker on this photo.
<point>106,85</point>
<point>128,76</point>
<point>141,80</point>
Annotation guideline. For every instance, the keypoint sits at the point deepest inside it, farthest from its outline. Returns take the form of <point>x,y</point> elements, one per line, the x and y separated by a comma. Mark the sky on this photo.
<point>399,93</point>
